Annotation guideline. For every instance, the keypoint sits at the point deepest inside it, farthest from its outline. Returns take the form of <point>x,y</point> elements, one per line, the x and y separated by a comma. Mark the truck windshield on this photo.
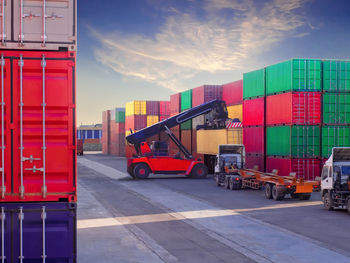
<point>230,160</point>
<point>345,170</point>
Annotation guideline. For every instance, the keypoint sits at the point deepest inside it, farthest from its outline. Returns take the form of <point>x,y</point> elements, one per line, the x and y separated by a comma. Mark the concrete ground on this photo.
<point>178,219</point>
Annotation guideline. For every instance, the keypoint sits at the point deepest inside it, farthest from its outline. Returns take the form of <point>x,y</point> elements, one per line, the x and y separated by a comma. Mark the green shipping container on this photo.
<point>301,141</point>
<point>186,100</point>
<point>336,75</point>
<point>294,75</point>
<point>254,84</point>
<point>186,125</point>
<point>336,108</point>
<point>334,136</point>
<point>118,115</point>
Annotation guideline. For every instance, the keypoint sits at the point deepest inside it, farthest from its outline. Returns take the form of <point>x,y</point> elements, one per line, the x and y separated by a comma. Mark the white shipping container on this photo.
<point>38,24</point>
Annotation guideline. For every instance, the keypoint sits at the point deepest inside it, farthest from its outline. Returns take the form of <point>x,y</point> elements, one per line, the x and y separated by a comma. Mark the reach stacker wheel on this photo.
<point>268,191</point>
<point>277,194</point>
<point>200,171</point>
<point>141,171</point>
<point>328,202</point>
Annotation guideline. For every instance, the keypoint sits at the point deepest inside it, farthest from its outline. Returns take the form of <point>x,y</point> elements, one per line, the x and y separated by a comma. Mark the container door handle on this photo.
<point>3,218</point>
<point>44,188</point>
<point>3,187</point>
<point>43,218</point>
<point>21,217</point>
<point>3,33</point>
<point>21,64</point>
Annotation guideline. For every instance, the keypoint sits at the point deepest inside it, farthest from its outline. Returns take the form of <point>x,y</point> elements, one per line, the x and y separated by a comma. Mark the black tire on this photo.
<point>328,201</point>
<point>226,183</point>
<point>141,171</point>
<point>217,180</point>
<point>200,171</point>
<point>305,196</point>
<point>277,194</point>
<point>348,206</point>
<point>268,191</point>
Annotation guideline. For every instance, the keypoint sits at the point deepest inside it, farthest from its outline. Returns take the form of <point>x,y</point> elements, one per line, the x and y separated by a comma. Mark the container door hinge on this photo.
<point>3,218</point>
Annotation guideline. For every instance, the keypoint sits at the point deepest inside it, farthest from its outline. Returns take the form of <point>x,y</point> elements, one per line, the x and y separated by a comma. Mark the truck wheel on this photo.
<point>226,182</point>
<point>268,191</point>
<point>141,171</point>
<point>305,196</point>
<point>328,202</point>
<point>217,180</point>
<point>348,206</point>
<point>199,171</point>
<point>277,194</point>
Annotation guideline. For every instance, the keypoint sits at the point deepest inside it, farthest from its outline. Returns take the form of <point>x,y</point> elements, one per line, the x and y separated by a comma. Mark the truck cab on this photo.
<point>335,179</point>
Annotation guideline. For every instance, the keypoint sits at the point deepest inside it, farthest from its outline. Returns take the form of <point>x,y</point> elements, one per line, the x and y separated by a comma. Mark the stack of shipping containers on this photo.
<point>336,106</point>
<point>38,134</point>
<point>254,118</point>
<point>293,117</point>
<point>186,127</point>
<point>117,132</point>
<point>106,133</point>
<point>175,108</point>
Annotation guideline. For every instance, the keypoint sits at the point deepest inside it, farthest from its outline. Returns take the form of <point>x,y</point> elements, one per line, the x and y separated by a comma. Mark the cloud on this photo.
<point>228,38</point>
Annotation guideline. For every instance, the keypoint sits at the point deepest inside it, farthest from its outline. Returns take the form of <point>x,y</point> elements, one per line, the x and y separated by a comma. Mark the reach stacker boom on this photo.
<point>152,160</point>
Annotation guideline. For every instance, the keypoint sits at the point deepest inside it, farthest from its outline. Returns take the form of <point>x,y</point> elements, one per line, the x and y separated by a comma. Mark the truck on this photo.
<point>231,173</point>
<point>155,158</point>
<point>335,180</point>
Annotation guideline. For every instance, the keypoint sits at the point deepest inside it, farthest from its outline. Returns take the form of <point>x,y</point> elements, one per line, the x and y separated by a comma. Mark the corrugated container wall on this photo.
<point>334,136</point>
<point>25,220</point>
<point>294,108</point>
<point>152,107</point>
<point>25,26</point>
<point>164,108</point>
<point>294,75</point>
<point>186,139</point>
<point>336,108</point>
<point>293,141</point>
<point>253,160</point>
<point>254,112</point>
<point>135,107</point>
<point>254,139</point>
<point>336,75</point>
<point>307,169</point>
<point>232,93</point>
<point>25,170</point>
<point>254,84</point>
<point>206,93</point>
<point>105,131</point>
<point>186,100</point>
<point>118,115</point>
<point>175,103</point>
<point>135,122</point>
<point>152,120</point>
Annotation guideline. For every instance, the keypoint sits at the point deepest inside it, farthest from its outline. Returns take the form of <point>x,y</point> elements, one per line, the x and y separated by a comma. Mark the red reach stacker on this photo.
<point>155,158</point>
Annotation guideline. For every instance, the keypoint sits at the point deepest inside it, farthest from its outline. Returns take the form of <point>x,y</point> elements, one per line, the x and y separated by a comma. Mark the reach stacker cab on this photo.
<point>335,184</point>
<point>155,158</point>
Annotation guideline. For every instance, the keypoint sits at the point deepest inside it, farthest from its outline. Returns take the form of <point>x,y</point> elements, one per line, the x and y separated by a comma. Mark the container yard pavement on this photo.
<point>185,220</point>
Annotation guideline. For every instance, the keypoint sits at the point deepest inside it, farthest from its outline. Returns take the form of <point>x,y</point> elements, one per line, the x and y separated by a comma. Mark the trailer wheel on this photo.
<point>305,196</point>
<point>199,171</point>
<point>328,201</point>
<point>268,191</point>
<point>141,171</point>
<point>348,206</point>
<point>277,194</point>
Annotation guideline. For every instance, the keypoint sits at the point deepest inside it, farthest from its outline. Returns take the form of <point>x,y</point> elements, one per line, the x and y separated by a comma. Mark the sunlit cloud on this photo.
<point>187,45</point>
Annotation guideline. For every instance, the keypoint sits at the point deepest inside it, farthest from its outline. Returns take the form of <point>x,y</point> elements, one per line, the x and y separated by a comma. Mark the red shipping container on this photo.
<point>152,107</point>
<point>135,122</point>
<point>302,108</point>
<point>232,93</point>
<point>117,144</point>
<point>252,160</point>
<point>206,93</point>
<point>186,139</point>
<point>254,139</point>
<point>254,112</point>
<point>175,106</point>
<point>164,108</point>
<point>162,118</point>
<point>40,130</point>
<point>304,168</point>
<point>105,131</point>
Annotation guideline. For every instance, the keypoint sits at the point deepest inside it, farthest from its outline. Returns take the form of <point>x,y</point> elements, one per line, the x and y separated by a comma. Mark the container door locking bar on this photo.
<point>20,218</point>
<point>3,218</point>
<point>3,33</point>
<point>3,187</point>
<point>44,188</point>
<point>43,218</point>
<point>21,63</point>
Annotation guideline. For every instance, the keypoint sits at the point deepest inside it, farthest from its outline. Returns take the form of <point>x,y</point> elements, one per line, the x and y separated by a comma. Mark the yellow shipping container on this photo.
<point>136,107</point>
<point>208,141</point>
<point>235,111</point>
<point>152,119</point>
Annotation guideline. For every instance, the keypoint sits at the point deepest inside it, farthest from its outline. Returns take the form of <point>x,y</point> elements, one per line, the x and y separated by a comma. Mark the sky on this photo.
<point>150,49</point>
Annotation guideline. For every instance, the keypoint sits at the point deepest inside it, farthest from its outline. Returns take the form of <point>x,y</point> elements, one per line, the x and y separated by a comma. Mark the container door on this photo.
<point>44,135</point>
<point>5,127</point>
<point>43,231</point>
<point>5,17</point>
<point>5,239</point>
<point>44,21</point>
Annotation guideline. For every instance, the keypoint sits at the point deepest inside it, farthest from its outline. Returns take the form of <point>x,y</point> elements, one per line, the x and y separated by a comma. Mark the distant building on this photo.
<point>89,131</point>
